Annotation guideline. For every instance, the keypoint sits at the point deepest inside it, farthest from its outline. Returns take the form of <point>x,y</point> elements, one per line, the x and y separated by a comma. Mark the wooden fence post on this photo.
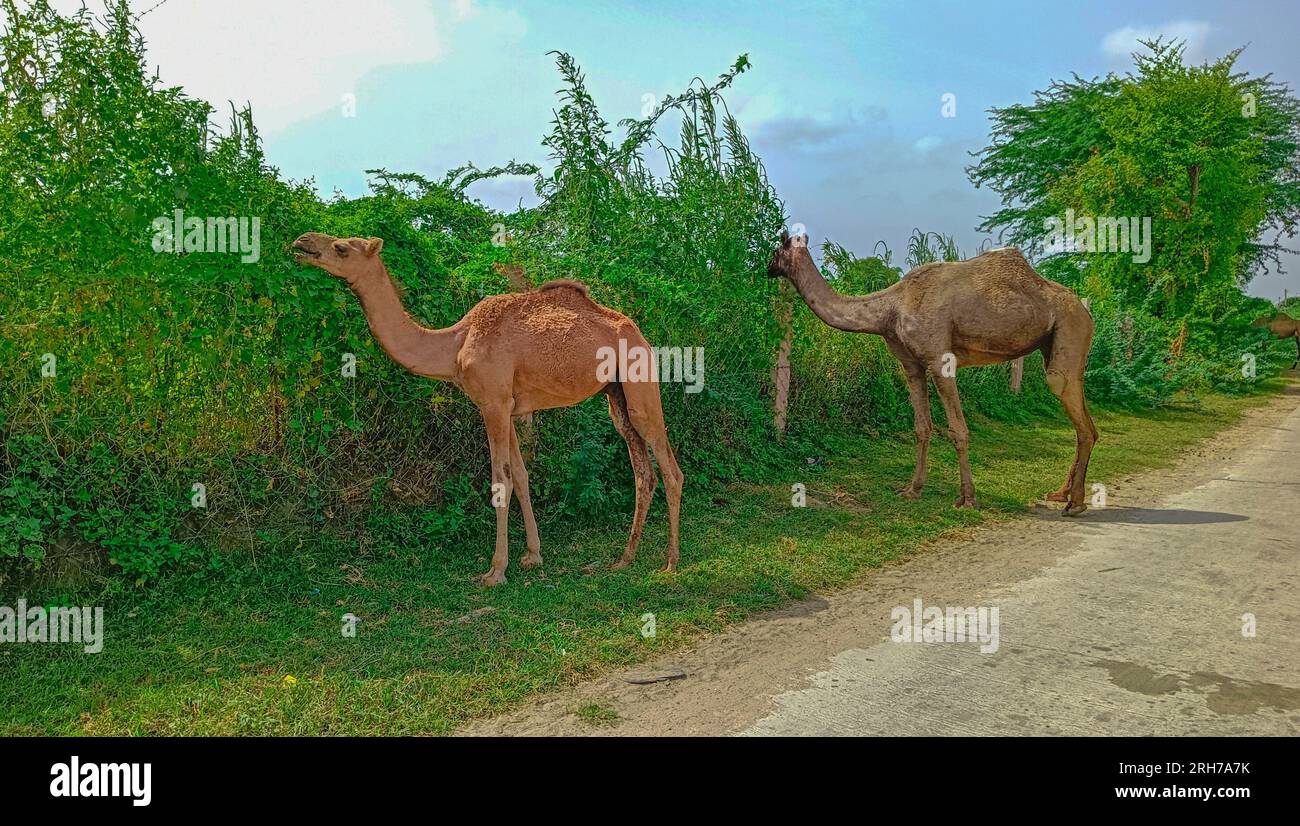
<point>781,368</point>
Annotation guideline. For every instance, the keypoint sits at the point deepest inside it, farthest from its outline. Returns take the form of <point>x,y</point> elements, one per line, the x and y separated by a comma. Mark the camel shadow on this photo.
<point>1145,516</point>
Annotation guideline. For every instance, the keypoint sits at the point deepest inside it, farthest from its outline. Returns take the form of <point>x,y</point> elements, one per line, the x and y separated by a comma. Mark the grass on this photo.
<point>211,652</point>
<point>596,715</point>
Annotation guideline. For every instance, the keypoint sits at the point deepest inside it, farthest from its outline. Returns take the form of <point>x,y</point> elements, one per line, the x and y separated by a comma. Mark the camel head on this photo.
<point>793,250</point>
<point>352,259</point>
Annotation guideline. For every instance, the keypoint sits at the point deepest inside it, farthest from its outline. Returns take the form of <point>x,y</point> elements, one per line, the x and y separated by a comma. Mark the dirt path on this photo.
<point>1127,621</point>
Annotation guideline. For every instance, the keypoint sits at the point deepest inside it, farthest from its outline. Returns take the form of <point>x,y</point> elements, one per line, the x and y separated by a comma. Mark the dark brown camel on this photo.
<point>946,315</point>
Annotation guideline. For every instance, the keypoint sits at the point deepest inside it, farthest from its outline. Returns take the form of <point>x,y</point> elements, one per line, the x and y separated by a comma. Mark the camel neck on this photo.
<point>872,313</point>
<point>421,350</point>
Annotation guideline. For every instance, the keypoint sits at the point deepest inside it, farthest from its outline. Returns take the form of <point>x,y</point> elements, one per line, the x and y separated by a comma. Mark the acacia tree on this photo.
<point>1207,152</point>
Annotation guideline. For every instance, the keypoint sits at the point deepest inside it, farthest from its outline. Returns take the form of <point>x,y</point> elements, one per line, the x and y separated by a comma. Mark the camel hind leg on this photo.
<point>1065,365</point>
<point>641,469</point>
<point>1061,494</point>
<point>519,474</point>
<point>960,434</point>
<point>646,412</point>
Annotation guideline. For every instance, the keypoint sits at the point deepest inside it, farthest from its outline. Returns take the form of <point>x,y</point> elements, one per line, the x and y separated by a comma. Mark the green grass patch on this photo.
<point>255,647</point>
<point>596,715</point>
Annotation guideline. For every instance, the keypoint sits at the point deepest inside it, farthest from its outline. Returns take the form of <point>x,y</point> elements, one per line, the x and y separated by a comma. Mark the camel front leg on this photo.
<point>919,395</point>
<point>497,421</point>
<point>533,558</point>
<point>960,434</point>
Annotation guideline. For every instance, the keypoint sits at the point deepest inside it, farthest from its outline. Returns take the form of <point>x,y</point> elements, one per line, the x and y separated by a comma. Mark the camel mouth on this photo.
<point>302,251</point>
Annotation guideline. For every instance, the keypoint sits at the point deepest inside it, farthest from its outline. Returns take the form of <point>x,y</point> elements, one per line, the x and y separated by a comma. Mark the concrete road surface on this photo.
<point>1174,610</point>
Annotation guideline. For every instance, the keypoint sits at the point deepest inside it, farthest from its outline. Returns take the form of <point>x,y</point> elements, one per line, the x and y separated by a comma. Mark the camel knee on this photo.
<point>1056,382</point>
<point>673,479</point>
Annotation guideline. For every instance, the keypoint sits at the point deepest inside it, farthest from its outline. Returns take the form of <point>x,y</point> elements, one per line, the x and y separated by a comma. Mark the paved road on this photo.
<point>1138,630</point>
<point>1128,621</point>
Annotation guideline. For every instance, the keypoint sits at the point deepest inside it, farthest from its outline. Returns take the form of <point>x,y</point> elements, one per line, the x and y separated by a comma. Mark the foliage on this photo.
<point>179,369</point>
<point>176,369</point>
<point>1208,154</point>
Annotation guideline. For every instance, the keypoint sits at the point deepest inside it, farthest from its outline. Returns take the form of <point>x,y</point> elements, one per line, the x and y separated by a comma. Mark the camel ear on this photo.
<point>785,237</point>
<point>374,246</point>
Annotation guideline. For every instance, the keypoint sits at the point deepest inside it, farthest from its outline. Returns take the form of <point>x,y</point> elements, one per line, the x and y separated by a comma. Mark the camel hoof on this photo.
<point>909,492</point>
<point>1057,496</point>
<point>621,564</point>
<point>530,561</point>
<point>669,568</point>
<point>1072,509</point>
<point>492,578</point>
<point>966,502</point>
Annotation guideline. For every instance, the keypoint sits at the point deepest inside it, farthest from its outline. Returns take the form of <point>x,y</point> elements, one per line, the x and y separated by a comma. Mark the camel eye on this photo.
<point>341,248</point>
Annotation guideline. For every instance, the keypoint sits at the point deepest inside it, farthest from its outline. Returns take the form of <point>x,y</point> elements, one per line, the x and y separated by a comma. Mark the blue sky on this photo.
<point>843,103</point>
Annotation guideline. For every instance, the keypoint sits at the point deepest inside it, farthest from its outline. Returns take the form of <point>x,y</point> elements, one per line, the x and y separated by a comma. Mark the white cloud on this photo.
<point>289,58</point>
<point>926,143</point>
<point>1121,43</point>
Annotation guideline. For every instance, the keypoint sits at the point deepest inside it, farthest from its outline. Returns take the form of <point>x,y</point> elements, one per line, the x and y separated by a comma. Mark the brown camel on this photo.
<point>945,315</point>
<point>514,354</point>
<point>1282,326</point>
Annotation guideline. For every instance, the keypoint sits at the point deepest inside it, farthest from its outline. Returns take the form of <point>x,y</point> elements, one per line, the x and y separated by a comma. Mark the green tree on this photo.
<point>1208,153</point>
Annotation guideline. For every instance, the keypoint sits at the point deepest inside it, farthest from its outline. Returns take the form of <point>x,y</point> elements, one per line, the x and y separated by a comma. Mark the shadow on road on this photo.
<point>1145,516</point>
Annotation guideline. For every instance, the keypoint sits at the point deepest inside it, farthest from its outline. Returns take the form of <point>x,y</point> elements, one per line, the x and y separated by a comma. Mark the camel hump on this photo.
<point>564,282</point>
<point>1004,251</point>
